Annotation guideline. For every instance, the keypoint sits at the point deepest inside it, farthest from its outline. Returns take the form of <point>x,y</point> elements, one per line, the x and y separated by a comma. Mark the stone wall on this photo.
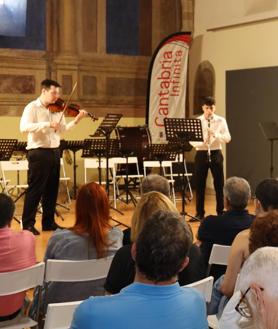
<point>76,51</point>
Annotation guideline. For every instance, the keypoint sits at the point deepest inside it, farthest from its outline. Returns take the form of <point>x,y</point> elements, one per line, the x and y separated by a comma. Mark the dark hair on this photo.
<point>267,193</point>
<point>47,83</point>
<point>162,246</point>
<point>264,231</point>
<point>7,208</point>
<point>156,183</point>
<point>208,100</point>
<point>92,216</point>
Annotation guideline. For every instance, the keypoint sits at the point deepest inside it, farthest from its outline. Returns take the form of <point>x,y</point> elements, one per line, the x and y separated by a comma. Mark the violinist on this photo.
<point>43,128</point>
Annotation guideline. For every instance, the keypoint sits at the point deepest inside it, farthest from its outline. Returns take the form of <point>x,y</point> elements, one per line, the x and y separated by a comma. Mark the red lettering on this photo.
<point>158,124</point>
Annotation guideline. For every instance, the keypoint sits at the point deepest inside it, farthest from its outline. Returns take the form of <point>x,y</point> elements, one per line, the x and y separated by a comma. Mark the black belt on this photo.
<point>212,151</point>
<point>45,149</point>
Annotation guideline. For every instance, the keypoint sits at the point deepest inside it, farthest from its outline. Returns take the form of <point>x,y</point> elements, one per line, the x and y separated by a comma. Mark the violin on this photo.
<point>72,110</point>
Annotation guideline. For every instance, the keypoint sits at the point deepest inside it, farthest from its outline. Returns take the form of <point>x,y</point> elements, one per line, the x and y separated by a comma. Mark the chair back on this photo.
<point>12,166</point>
<point>19,281</point>
<point>77,270</point>
<point>59,315</point>
<point>204,286</point>
<point>219,255</point>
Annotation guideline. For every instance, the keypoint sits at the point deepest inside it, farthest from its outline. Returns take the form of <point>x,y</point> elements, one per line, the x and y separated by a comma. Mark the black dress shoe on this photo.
<point>51,227</point>
<point>32,229</point>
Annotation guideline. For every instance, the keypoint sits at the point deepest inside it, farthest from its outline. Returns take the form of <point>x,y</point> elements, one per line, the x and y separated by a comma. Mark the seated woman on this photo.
<point>263,232</point>
<point>91,237</point>
<point>255,304</point>
<point>122,269</point>
<point>17,252</point>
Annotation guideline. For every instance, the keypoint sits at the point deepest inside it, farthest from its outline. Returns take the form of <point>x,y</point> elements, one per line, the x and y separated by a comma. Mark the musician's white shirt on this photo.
<point>36,120</point>
<point>220,133</point>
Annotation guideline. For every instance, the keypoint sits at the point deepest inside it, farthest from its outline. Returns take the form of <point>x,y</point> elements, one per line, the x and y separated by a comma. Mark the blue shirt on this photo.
<point>143,306</point>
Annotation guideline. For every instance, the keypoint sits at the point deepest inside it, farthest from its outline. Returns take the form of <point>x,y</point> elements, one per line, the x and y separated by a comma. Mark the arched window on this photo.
<point>204,85</point>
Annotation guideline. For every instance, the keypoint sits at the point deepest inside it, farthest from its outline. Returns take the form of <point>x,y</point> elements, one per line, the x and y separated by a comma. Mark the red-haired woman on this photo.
<point>91,237</point>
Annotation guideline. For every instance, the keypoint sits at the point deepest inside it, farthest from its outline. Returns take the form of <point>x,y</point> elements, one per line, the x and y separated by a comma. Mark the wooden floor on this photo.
<point>127,209</point>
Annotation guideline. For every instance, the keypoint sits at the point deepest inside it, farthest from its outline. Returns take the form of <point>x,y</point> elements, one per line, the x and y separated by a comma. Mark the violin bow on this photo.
<point>67,102</point>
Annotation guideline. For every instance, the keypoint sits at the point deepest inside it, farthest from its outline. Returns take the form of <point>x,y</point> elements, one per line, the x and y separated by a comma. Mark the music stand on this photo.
<point>7,146</point>
<point>270,132</point>
<point>179,131</point>
<point>97,148</point>
<point>73,146</point>
<point>105,129</point>
<point>161,152</point>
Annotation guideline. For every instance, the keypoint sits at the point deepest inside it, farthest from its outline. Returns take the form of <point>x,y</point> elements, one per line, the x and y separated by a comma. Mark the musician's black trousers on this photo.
<point>43,185</point>
<point>202,165</point>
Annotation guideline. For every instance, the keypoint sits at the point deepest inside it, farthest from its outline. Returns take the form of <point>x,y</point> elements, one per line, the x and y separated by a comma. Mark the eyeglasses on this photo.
<point>242,306</point>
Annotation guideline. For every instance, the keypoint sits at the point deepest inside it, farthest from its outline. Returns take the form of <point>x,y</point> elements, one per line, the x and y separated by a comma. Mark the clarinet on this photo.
<point>209,153</point>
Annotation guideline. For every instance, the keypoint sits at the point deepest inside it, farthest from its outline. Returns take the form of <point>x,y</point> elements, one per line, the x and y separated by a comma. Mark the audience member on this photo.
<point>150,183</point>
<point>155,299</point>
<point>156,183</point>
<point>17,252</point>
<point>267,195</point>
<point>263,232</point>
<point>266,199</point>
<point>91,237</point>
<point>122,270</point>
<point>222,229</point>
<point>255,305</point>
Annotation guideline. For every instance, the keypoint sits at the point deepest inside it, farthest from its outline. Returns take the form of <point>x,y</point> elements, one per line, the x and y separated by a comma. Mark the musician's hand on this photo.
<point>80,115</point>
<point>54,125</point>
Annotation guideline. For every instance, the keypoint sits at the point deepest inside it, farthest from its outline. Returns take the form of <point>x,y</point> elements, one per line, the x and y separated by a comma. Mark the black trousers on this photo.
<point>202,165</point>
<point>43,185</point>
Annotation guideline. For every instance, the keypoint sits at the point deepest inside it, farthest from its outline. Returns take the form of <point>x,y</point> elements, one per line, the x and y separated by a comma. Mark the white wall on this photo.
<point>240,47</point>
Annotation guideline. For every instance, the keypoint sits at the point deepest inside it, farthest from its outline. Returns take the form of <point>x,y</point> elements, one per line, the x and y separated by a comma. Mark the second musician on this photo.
<point>43,129</point>
<point>209,156</point>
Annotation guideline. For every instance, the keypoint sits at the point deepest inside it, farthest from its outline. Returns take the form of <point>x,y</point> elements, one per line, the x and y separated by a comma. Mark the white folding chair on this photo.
<point>75,271</point>
<point>219,256</point>
<point>185,173</point>
<point>126,176</point>
<point>10,171</point>
<point>64,178</point>
<point>10,183</point>
<point>204,286</point>
<point>59,315</point>
<point>100,164</point>
<point>19,281</point>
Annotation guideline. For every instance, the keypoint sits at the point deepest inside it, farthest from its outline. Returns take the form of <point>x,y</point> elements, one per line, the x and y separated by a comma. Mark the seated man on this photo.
<point>155,299</point>
<point>255,305</point>
<point>154,182</point>
<point>266,200</point>
<point>17,252</point>
<point>261,233</point>
<point>222,229</point>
